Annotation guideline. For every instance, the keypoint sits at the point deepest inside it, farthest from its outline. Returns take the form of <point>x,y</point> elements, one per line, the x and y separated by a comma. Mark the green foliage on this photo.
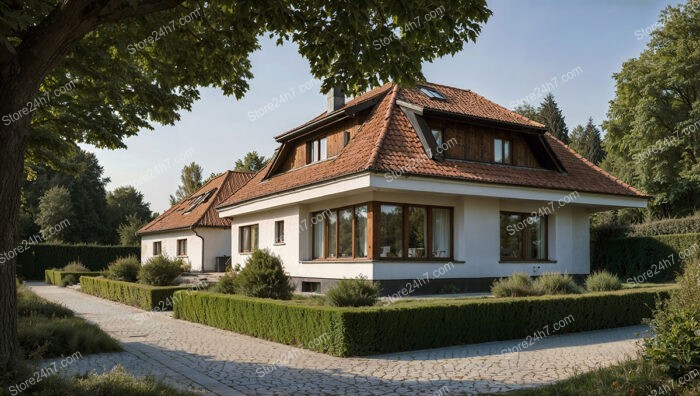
<point>587,142</point>
<point>160,271</point>
<point>355,292</point>
<point>631,257</point>
<point>55,208</point>
<point>191,179</point>
<point>252,162</point>
<point>127,231</point>
<point>75,266</point>
<point>69,280</point>
<point>551,116</point>
<point>33,262</point>
<point>676,326</point>
<point>449,289</point>
<point>263,276</point>
<point>602,281</point>
<point>372,330</point>
<point>527,110</point>
<point>684,225</point>
<point>134,294</point>
<point>50,330</point>
<point>57,277</point>
<point>227,283</point>
<point>124,269</point>
<point>516,285</point>
<point>554,283</point>
<point>652,128</point>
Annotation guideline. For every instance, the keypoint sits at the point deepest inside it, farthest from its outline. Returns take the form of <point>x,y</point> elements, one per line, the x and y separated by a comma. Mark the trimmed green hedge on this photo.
<point>629,257</point>
<point>32,262</point>
<point>54,277</point>
<point>134,294</point>
<point>684,225</point>
<point>373,330</point>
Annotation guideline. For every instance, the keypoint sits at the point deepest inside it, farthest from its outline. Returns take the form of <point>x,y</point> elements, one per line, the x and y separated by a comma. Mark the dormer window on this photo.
<point>346,138</point>
<point>437,135</point>
<point>502,151</point>
<point>318,150</point>
<point>198,200</point>
<point>432,93</point>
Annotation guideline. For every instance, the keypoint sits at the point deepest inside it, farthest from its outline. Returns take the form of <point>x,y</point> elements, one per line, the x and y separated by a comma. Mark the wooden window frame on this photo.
<point>404,232</point>
<point>159,251</point>
<point>252,242</point>
<point>279,232</point>
<point>317,144</point>
<point>503,151</point>
<point>182,252</point>
<point>325,222</point>
<point>522,259</point>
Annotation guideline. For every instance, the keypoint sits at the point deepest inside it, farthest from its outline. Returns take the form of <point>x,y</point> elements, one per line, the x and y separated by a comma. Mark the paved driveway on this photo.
<point>213,361</point>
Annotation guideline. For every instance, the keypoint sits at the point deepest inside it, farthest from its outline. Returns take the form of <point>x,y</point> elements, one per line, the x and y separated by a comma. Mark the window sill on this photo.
<point>338,261</point>
<point>278,244</point>
<point>380,261</point>
<point>527,262</point>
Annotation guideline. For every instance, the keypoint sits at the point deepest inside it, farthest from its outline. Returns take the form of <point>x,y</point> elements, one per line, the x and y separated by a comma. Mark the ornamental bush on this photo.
<point>161,271</point>
<point>69,280</point>
<point>555,283</point>
<point>263,276</point>
<point>227,283</point>
<point>75,266</point>
<point>602,281</point>
<point>354,292</point>
<point>124,269</point>
<point>516,285</point>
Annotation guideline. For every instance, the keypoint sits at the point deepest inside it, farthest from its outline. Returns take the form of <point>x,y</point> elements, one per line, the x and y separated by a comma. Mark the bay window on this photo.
<point>414,232</point>
<point>342,233</point>
<point>523,237</point>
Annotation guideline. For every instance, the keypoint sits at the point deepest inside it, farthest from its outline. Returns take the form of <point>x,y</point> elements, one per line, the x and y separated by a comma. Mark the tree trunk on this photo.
<point>13,142</point>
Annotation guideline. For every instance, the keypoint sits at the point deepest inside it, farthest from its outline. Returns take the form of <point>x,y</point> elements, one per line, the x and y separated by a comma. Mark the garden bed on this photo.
<point>419,325</point>
<point>134,294</point>
<point>55,277</point>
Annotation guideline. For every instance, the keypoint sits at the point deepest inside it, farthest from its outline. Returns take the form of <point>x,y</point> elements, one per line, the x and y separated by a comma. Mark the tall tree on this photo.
<point>653,129</point>
<point>122,203</point>
<point>127,230</point>
<point>54,208</point>
<point>106,80</point>
<point>191,181</point>
<point>551,116</point>
<point>252,162</point>
<point>587,142</point>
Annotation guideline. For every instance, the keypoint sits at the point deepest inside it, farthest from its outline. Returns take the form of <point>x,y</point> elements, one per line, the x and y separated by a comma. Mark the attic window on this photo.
<point>432,93</point>
<point>198,200</point>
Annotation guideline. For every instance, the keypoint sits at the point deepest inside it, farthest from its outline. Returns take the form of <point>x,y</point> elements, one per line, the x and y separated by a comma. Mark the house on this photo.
<point>191,229</point>
<point>430,186</point>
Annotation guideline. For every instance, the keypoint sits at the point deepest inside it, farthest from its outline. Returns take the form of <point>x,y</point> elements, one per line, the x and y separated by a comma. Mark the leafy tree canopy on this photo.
<point>252,162</point>
<point>191,181</point>
<point>653,128</point>
<point>55,208</point>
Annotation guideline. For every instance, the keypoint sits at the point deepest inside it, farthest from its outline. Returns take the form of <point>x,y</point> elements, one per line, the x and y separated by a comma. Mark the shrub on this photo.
<point>603,281</point>
<point>263,276</point>
<point>56,277</point>
<point>75,266</point>
<point>516,285</point>
<point>676,325</point>
<point>160,271</point>
<point>134,294</point>
<point>69,280</point>
<point>124,269</point>
<point>355,292</point>
<point>32,263</point>
<point>555,283</point>
<point>449,289</point>
<point>227,283</point>
<point>424,324</point>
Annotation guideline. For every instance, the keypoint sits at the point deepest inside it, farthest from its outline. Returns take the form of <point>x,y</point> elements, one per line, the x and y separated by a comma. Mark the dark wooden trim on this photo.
<point>522,259</point>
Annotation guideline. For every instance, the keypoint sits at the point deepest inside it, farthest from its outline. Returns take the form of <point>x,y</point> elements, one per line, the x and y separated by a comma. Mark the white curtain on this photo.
<point>441,232</point>
<point>318,238</point>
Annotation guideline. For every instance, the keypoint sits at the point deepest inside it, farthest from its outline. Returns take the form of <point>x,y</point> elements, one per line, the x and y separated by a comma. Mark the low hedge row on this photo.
<point>629,257</point>
<point>373,330</point>
<point>685,225</point>
<point>55,277</point>
<point>134,294</point>
<point>35,258</point>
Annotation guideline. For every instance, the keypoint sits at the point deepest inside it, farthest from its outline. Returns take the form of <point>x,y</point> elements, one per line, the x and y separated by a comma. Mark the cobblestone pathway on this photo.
<point>212,361</point>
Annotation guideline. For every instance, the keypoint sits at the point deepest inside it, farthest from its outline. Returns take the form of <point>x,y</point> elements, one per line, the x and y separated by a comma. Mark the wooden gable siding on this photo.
<point>475,143</point>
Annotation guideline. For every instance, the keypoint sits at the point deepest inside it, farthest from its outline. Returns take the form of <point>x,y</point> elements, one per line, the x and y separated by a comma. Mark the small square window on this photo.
<point>310,287</point>
<point>157,248</point>
<point>182,247</point>
<point>502,151</point>
<point>279,232</point>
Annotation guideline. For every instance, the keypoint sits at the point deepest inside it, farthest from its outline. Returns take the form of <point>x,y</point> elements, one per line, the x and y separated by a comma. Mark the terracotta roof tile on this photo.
<point>204,215</point>
<point>387,142</point>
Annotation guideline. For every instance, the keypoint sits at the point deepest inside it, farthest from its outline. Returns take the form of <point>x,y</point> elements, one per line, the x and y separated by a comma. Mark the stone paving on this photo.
<point>212,361</point>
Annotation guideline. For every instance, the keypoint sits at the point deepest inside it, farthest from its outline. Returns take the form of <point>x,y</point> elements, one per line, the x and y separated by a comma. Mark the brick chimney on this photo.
<point>336,99</point>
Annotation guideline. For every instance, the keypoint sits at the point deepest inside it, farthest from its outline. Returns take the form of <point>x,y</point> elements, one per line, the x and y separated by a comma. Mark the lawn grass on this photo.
<point>49,330</point>
<point>632,377</point>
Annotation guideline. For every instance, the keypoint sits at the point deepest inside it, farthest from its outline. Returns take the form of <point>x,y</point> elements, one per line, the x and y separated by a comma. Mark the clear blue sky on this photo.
<point>524,45</point>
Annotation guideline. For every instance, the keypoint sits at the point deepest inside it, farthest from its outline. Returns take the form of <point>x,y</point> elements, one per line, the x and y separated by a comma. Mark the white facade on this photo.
<point>214,242</point>
<point>476,225</point>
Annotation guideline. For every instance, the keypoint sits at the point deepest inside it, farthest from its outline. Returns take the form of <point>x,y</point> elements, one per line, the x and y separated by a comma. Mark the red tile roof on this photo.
<point>203,215</point>
<point>387,142</point>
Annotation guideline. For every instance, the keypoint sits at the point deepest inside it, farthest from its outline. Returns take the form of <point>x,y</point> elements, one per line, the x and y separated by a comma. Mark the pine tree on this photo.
<point>551,116</point>
<point>587,142</point>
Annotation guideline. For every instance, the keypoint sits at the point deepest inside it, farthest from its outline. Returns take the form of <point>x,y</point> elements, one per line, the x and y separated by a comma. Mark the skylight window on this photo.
<point>432,93</point>
<point>198,200</point>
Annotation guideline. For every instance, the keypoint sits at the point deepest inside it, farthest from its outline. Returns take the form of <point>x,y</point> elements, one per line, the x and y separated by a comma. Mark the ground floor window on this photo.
<point>414,231</point>
<point>248,238</point>
<point>341,233</point>
<point>523,237</point>
<point>279,232</point>
<point>157,248</point>
<point>182,247</point>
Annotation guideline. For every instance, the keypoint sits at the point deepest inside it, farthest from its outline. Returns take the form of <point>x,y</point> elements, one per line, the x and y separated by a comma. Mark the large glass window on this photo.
<point>343,232</point>
<point>248,238</point>
<point>417,231</point>
<point>442,232</point>
<point>523,237</point>
<point>391,231</point>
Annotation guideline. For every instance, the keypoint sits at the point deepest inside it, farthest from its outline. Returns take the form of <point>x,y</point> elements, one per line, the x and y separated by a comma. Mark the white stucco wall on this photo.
<point>169,247</point>
<point>217,243</point>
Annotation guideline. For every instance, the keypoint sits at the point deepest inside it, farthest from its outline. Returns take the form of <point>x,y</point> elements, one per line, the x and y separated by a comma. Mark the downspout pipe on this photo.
<point>200,237</point>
